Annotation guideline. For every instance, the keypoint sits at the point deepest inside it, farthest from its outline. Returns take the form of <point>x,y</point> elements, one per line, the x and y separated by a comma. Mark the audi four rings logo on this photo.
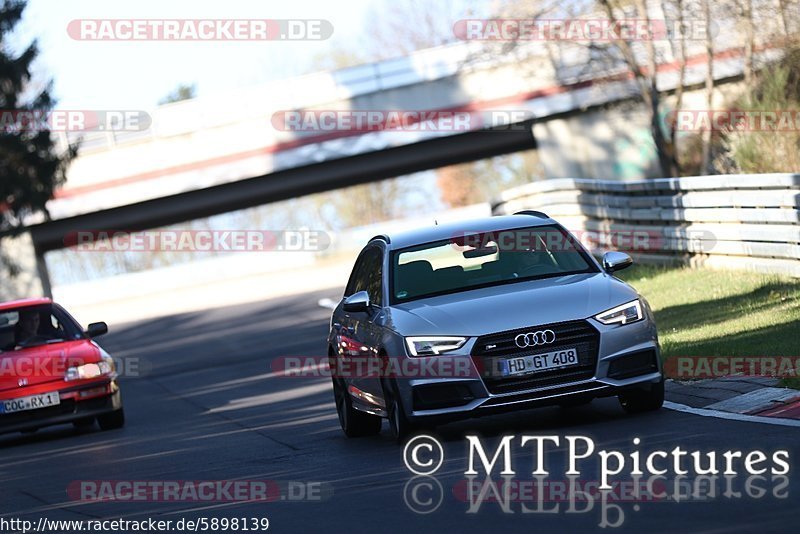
<point>532,339</point>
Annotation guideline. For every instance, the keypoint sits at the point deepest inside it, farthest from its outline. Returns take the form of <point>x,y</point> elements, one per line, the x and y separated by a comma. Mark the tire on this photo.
<point>112,420</point>
<point>354,424</point>
<point>399,425</point>
<point>84,423</point>
<point>643,400</point>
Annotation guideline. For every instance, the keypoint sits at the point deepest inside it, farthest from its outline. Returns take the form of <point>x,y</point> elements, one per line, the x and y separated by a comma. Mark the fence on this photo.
<point>749,221</point>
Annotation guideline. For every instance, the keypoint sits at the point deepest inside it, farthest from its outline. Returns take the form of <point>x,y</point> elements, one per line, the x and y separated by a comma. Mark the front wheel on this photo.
<point>354,423</point>
<point>112,420</point>
<point>399,424</point>
<point>643,400</point>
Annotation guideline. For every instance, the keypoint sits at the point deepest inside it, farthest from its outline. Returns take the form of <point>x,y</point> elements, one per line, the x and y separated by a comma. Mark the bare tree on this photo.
<point>680,17</point>
<point>646,77</point>
<point>745,8</point>
<point>458,184</point>
<point>479,181</point>
<point>709,86</point>
<point>603,56</point>
<point>400,27</point>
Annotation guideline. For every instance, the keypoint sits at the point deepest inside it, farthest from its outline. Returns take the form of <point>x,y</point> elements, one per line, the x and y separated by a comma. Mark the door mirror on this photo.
<point>96,329</point>
<point>357,302</point>
<point>616,261</point>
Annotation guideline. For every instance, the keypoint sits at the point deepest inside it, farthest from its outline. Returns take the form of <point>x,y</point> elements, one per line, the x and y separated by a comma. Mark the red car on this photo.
<point>52,371</point>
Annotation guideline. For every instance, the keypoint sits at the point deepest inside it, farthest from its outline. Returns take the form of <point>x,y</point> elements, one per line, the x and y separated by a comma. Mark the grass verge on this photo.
<point>721,313</point>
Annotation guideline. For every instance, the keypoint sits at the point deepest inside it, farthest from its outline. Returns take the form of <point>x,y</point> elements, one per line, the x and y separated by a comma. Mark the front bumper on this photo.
<point>622,357</point>
<point>71,408</point>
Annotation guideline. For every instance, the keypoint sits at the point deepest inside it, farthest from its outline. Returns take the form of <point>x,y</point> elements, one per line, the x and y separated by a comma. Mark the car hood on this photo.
<point>44,363</point>
<point>507,307</point>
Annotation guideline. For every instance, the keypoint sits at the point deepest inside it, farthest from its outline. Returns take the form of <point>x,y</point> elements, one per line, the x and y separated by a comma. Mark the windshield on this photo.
<point>472,260</point>
<point>35,325</point>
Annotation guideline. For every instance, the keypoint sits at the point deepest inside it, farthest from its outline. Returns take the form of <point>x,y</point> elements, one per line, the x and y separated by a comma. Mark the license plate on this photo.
<point>29,403</point>
<point>538,362</point>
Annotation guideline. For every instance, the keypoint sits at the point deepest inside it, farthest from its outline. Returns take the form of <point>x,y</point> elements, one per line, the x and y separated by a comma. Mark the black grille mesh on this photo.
<point>578,334</point>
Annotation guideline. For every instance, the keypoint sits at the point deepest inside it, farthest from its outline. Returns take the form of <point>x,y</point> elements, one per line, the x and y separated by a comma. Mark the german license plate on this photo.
<point>30,403</point>
<point>538,362</point>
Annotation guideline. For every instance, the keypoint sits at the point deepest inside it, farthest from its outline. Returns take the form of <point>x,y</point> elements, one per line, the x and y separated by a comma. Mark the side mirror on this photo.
<point>96,329</point>
<point>357,302</point>
<point>616,261</point>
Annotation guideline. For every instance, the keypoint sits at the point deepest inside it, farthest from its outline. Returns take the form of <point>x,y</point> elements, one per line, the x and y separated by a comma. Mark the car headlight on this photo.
<point>89,370</point>
<point>629,312</point>
<point>433,345</point>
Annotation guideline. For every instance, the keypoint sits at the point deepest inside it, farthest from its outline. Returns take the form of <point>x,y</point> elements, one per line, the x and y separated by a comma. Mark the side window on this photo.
<point>356,277</point>
<point>367,277</point>
<point>374,270</point>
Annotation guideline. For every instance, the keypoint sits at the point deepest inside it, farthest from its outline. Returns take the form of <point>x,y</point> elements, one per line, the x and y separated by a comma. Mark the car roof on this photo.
<point>441,232</point>
<point>24,303</point>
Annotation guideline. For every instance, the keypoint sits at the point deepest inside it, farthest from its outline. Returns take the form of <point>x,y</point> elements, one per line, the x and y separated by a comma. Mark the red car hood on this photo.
<point>44,363</point>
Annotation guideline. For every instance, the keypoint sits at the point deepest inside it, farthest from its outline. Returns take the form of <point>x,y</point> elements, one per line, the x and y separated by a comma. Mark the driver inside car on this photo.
<point>536,260</point>
<point>27,326</point>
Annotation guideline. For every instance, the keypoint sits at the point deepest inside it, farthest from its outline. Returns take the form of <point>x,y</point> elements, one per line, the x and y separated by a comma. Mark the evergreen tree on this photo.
<point>31,167</point>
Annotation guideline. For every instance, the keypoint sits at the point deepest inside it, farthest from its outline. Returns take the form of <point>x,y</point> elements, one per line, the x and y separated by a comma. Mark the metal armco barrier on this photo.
<point>748,221</point>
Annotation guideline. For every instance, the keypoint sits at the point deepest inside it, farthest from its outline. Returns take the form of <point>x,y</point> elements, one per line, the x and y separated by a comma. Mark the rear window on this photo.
<point>473,260</point>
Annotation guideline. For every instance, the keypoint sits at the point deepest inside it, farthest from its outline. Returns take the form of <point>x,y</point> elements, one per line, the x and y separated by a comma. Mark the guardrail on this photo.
<point>749,221</point>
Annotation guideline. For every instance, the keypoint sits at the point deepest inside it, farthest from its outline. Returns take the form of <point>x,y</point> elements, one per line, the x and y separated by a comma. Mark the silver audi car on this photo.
<point>472,318</point>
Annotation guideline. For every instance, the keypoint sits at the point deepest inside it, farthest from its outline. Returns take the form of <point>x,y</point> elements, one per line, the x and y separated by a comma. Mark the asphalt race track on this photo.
<point>207,407</point>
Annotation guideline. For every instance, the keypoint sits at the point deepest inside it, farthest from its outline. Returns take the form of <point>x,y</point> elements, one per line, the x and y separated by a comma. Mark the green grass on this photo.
<point>721,313</point>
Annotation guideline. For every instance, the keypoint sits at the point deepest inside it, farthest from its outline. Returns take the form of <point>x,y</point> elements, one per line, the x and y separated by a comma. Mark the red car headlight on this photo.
<point>89,370</point>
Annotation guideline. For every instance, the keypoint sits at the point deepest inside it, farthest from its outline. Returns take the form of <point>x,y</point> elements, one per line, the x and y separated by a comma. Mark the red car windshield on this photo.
<point>35,325</point>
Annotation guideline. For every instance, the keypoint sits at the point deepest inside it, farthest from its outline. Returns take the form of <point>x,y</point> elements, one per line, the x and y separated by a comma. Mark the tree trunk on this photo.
<point>664,148</point>
<point>784,24</point>
<point>681,80</point>
<point>706,168</point>
<point>648,86</point>
<point>747,15</point>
